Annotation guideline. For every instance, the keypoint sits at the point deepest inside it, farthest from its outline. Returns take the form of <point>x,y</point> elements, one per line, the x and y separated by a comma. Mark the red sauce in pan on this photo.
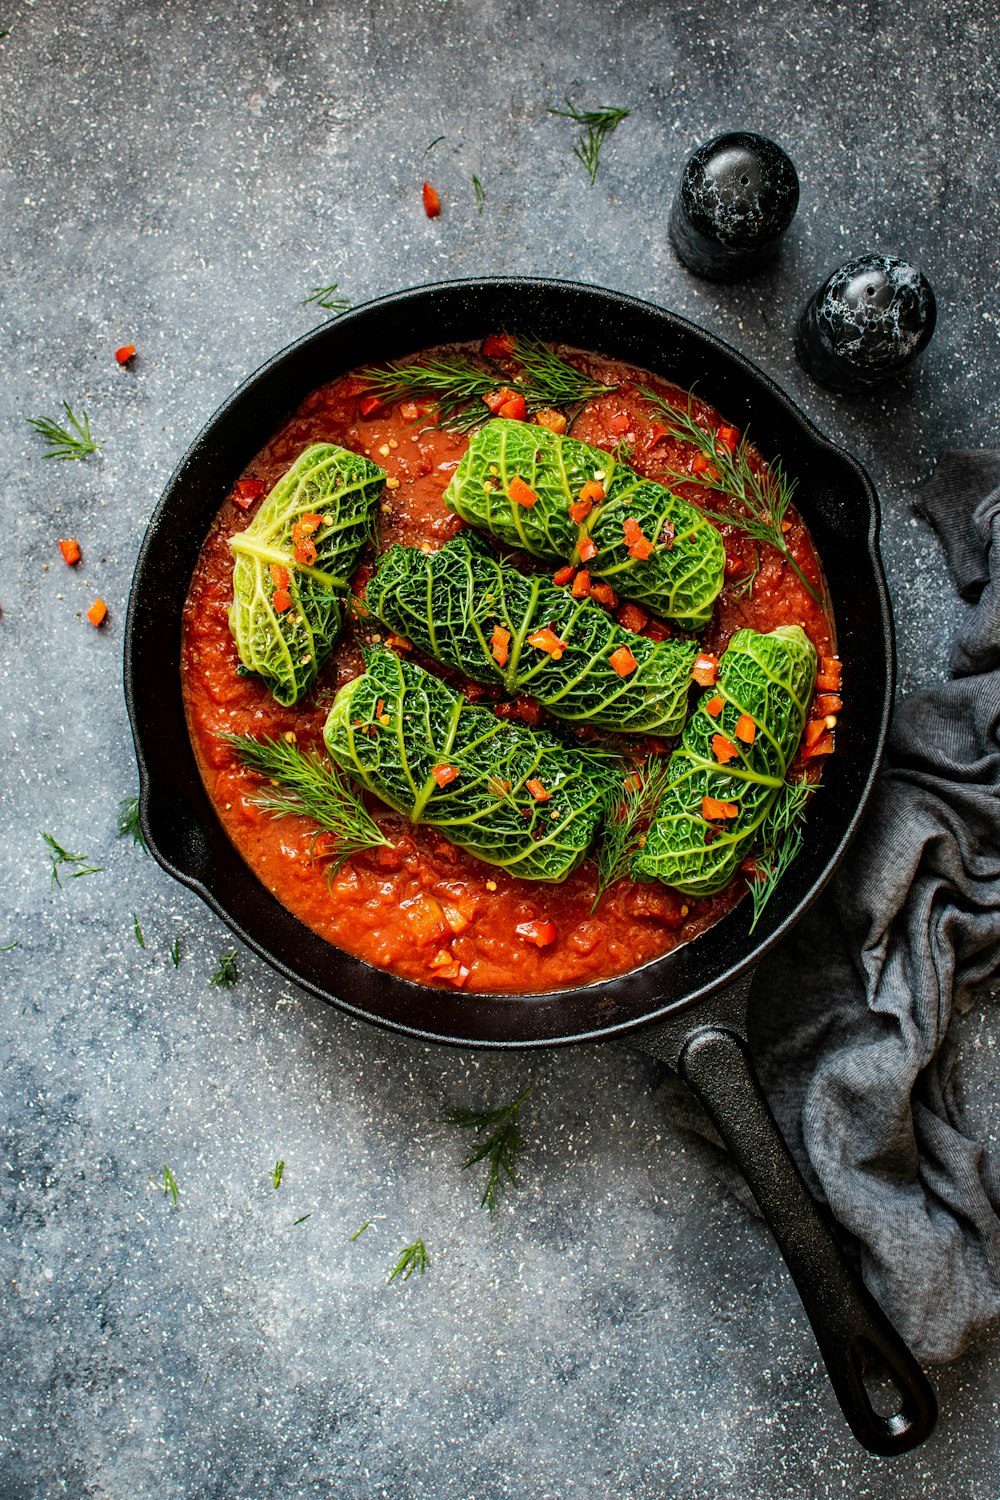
<point>400,908</point>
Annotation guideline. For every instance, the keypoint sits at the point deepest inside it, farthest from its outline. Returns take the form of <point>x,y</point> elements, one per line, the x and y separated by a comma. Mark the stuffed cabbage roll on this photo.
<point>560,499</point>
<point>510,796</point>
<point>478,614</point>
<point>294,562</point>
<point>731,762</point>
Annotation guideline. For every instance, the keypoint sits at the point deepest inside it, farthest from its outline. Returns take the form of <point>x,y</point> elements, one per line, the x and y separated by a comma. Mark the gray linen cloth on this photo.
<point>850,1017</point>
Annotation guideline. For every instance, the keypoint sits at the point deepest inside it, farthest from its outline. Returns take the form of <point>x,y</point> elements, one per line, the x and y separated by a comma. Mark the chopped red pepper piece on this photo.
<point>730,436</point>
<point>715,705</point>
<point>305,553</point>
<point>701,465</point>
<point>552,419</point>
<point>632,617</point>
<point>521,493</point>
<point>620,422</point>
<point>246,492</point>
<point>500,645</point>
<point>368,404</point>
<point>537,790</point>
<point>563,575</point>
<point>746,729</point>
<point>593,490</point>
<point>546,640</point>
<point>814,730</point>
<point>432,203</point>
<point>515,410</point>
<point>823,746</point>
<point>97,613</point>
<point>281,599</point>
<point>539,933</point>
<point>828,703</point>
<point>125,353</point>
<point>724,750</point>
<point>637,543</point>
<point>604,594</point>
<point>586,549</point>
<point>656,631</point>
<point>705,670</point>
<point>712,808</point>
<point>581,585</point>
<point>495,399</point>
<point>829,675</point>
<point>280,576</point>
<point>580,510</point>
<point>657,433</point>
<point>623,661</point>
<point>498,346</point>
<point>498,786</point>
<point>70,550</point>
<point>444,774</point>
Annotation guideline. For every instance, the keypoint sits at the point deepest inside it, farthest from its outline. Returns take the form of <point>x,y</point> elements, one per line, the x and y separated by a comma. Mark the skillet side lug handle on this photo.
<point>854,1335</point>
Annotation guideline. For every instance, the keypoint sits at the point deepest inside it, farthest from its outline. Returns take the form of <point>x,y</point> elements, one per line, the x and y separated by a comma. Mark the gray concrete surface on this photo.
<point>180,177</point>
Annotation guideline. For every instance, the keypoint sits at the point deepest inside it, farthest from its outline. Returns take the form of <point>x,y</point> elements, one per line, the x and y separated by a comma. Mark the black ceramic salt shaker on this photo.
<point>737,196</point>
<point>867,321</point>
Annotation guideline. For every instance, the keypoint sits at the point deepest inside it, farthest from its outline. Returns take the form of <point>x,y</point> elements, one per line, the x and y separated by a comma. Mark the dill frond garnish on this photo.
<point>227,973</point>
<point>323,296</point>
<point>313,788</point>
<point>480,193</point>
<point>626,820</point>
<point>138,931</point>
<point>436,141</point>
<point>597,125</point>
<point>175,952</point>
<point>302,1220</point>
<point>7,947</point>
<point>170,1188</point>
<point>79,863</point>
<point>278,1173</point>
<point>359,1232</point>
<point>754,499</point>
<point>72,441</point>
<point>128,821</point>
<point>457,385</point>
<point>499,1146</point>
<point>412,1258</point>
<point>782,834</point>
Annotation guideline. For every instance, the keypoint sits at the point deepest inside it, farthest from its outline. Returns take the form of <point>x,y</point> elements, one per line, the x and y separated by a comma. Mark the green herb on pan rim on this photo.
<point>480,193</point>
<point>324,296</point>
<point>302,1220</point>
<point>128,821</point>
<point>175,952</point>
<point>8,946</point>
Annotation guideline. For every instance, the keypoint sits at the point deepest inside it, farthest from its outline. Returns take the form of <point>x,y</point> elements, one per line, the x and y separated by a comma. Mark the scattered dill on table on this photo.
<point>324,296</point>
<point>128,821</point>
<point>227,973</point>
<point>359,1232</point>
<point>412,1258</point>
<point>597,125</point>
<point>175,952</point>
<point>170,1188</point>
<point>480,193</point>
<point>302,1220</point>
<point>138,931</point>
<point>499,1147</point>
<point>79,864</point>
<point>8,946</point>
<point>278,1173</point>
<point>72,441</point>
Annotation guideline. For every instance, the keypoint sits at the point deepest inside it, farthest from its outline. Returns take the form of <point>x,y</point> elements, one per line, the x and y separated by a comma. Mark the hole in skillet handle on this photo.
<point>895,1408</point>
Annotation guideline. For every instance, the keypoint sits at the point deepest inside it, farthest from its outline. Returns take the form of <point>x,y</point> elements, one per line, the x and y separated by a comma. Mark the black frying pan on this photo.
<point>692,1000</point>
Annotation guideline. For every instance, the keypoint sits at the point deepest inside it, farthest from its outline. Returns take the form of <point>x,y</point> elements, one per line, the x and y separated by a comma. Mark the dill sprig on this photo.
<point>138,931</point>
<point>480,193</point>
<point>301,1220</point>
<point>323,296</point>
<point>499,1147</point>
<point>73,441</point>
<point>756,499</point>
<point>8,947</point>
<point>128,821</point>
<point>227,973</point>
<point>597,125</point>
<point>170,1188</point>
<point>359,1232</point>
<point>623,830</point>
<point>412,1258</point>
<point>312,788</point>
<point>782,834</point>
<point>79,863</point>
<point>278,1173</point>
<point>436,141</point>
<point>175,952</point>
<point>458,384</point>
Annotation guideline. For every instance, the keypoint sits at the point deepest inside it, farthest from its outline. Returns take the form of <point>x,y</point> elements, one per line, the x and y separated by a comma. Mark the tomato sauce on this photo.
<point>415,906</point>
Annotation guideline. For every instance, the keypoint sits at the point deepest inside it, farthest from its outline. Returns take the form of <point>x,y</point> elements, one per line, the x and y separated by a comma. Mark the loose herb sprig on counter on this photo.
<point>79,863</point>
<point>314,789</point>
<point>782,835</point>
<point>412,1258</point>
<point>170,1188</point>
<point>457,385</point>
<point>597,125</point>
<point>323,296</point>
<point>756,499</point>
<point>73,441</point>
<point>227,973</point>
<point>626,820</point>
<point>128,821</point>
<point>480,193</point>
<point>500,1146</point>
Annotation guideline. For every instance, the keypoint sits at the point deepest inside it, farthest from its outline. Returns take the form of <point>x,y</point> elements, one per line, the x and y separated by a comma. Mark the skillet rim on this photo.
<point>753,377</point>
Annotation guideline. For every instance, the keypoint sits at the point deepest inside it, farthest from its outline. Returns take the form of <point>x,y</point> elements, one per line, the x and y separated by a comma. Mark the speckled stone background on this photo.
<point>180,177</point>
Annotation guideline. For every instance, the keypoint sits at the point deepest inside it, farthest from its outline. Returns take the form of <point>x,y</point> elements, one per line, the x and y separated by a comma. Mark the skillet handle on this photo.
<point>854,1335</point>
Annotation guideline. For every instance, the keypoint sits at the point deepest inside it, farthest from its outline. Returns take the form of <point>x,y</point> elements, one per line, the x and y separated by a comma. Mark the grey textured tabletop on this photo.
<point>181,177</point>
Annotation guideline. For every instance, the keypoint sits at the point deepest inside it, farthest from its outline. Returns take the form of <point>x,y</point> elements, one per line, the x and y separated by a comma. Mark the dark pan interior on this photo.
<point>835,496</point>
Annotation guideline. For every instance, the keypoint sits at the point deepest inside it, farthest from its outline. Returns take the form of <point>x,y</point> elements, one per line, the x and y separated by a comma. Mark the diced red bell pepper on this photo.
<point>746,729</point>
<point>498,346</point>
<point>623,661</point>
<point>368,404</point>
<point>125,353</point>
<point>541,933</point>
<point>712,809</point>
<point>715,705</point>
<point>537,790</point>
<point>705,670</point>
<point>563,575</point>
<point>552,419</point>
<point>444,774</point>
<point>500,645</point>
<point>723,749</point>
<point>604,594</point>
<point>632,617</point>
<point>521,493</point>
<point>587,549</point>
<point>70,550</point>
<point>97,613</point>
<point>515,409</point>
<point>432,203</point>
<point>581,585</point>
<point>546,640</point>
<point>730,436</point>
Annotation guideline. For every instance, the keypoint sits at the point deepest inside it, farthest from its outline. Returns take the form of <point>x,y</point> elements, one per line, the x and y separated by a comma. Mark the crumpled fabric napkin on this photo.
<point>850,1017</point>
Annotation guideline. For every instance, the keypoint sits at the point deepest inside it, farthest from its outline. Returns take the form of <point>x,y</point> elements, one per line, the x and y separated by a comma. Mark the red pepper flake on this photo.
<point>500,645</point>
<point>746,729</point>
<point>280,576</point>
<point>537,790</point>
<point>432,203</point>
<point>499,787</point>
<point>368,404</point>
<point>125,353</point>
<point>715,705</point>
<point>553,420</point>
<point>823,746</point>
<point>98,612</point>
<point>712,809</point>
<point>705,670</point>
<point>623,661</point>
<point>638,545</point>
<point>546,640</point>
<point>587,549</point>
<point>730,436</point>
<point>70,550</point>
<point>632,618</point>
<point>604,594</point>
<point>444,774</point>
<point>540,933</point>
<point>619,423</point>
<point>498,346</point>
<point>724,750</point>
<point>520,493</point>
<point>563,575</point>
<point>581,585</point>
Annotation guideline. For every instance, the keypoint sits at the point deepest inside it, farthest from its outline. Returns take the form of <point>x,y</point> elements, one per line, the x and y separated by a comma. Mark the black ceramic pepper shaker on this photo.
<point>737,196</point>
<point>867,321</point>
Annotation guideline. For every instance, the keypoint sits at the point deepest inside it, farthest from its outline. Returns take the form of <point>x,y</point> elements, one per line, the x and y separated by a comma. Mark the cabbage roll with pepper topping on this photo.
<point>511,796</point>
<point>731,762</point>
<point>293,563</point>
<point>481,616</point>
<point>561,499</point>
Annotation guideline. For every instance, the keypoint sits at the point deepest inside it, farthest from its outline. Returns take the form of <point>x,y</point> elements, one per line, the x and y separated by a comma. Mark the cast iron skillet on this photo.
<point>693,1000</point>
